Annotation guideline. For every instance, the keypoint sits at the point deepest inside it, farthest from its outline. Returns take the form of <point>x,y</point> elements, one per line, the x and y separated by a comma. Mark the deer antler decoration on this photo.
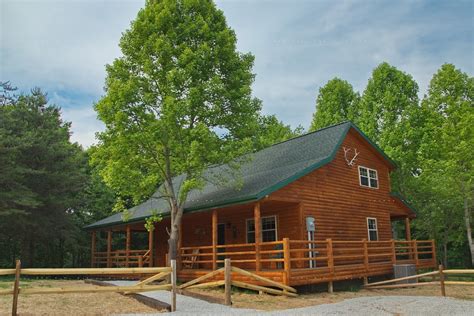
<point>350,162</point>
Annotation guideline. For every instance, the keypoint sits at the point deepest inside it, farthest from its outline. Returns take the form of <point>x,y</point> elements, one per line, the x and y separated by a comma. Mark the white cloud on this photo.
<point>63,46</point>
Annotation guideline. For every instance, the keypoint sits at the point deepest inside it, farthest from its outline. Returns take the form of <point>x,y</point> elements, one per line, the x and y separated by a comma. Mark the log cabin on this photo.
<point>323,202</point>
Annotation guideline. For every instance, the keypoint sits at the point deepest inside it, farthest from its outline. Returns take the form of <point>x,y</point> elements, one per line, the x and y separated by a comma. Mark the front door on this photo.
<point>220,241</point>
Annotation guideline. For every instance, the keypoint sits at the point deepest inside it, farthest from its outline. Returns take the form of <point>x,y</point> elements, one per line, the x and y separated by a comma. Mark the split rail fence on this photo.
<point>159,273</point>
<point>227,271</point>
<point>442,281</point>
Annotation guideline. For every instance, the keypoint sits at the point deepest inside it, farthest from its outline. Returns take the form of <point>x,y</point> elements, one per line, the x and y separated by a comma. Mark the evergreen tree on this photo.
<point>44,172</point>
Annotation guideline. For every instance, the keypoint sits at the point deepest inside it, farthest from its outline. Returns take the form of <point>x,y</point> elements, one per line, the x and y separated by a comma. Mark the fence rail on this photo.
<point>121,258</point>
<point>158,273</point>
<point>440,273</point>
<point>310,254</point>
<point>226,276</point>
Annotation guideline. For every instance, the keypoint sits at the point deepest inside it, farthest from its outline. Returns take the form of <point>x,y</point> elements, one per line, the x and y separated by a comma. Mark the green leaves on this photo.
<point>269,130</point>
<point>432,142</point>
<point>388,109</point>
<point>336,102</point>
<point>42,177</point>
<point>177,101</point>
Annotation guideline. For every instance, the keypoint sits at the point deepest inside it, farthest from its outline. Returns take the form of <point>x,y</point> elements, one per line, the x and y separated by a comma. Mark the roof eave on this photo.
<point>400,198</point>
<point>239,201</point>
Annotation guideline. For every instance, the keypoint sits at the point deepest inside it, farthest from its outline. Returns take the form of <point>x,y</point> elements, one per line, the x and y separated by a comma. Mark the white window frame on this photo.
<point>376,230</point>
<point>368,177</point>
<point>261,230</point>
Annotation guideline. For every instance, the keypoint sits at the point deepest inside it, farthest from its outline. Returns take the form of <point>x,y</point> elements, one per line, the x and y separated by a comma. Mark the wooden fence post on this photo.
<point>330,263</point>
<point>394,253</point>
<point>258,234</point>
<point>228,281</point>
<point>109,248</point>
<point>93,246</point>
<point>366,261</point>
<point>173,285</point>
<point>330,255</point>
<point>441,280</point>
<point>127,246</point>
<point>287,260</point>
<point>150,246</point>
<point>214,239</point>
<point>433,249</point>
<point>415,252</point>
<point>366,256</point>
<point>16,287</point>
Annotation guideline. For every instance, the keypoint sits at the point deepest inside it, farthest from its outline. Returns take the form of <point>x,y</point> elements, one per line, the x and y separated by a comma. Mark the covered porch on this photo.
<point>299,262</point>
<point>278,249</point>
<point>115,247</point>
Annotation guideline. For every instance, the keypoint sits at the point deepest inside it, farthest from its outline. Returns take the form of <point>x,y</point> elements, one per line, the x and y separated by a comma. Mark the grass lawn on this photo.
<point>68,304</point>
<point>114,303</point>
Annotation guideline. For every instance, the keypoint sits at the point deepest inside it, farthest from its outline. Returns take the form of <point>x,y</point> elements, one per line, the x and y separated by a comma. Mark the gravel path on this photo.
<point>388,305</point>
<point>188,305</point>
<point>371,305</point>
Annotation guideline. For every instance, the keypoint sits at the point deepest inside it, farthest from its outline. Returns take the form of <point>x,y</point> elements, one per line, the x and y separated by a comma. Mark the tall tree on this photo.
<point>447,148</point>
<point>336,102</point>
<point>390,115</point>
<point>43,174</point>
<point>178,100</point>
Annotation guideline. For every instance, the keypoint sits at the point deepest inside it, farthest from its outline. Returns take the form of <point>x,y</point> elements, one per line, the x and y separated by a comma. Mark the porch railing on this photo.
<point>121,258</point>
<point>303,254</point>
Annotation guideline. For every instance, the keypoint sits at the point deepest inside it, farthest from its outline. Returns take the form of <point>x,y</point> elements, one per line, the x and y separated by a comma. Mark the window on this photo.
<point>269,230</point>
<point>368,177</point>
<point>372,229</point>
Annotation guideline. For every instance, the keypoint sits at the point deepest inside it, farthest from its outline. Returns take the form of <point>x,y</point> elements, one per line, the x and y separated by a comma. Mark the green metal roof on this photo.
<point>260,174</point>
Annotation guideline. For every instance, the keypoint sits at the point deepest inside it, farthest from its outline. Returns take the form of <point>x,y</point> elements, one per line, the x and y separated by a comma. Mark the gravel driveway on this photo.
<point>371,305</point>
<point>388,305</point>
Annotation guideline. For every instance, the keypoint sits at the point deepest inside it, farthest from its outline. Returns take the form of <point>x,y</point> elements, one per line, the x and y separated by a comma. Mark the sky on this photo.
<point>63,46</point>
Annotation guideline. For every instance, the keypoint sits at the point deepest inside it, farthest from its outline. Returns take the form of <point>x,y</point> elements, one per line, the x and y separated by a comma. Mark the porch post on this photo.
<point>407,229</point>
<point>93,246</point>
<point>109,248</point>
<point>258,234</point>
<point>286,260</point>
<point>127,246</point>
<point>150,246</point>
<point>214,239</point>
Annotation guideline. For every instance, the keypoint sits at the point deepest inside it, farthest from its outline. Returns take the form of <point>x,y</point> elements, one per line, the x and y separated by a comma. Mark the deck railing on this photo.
<point>303,254</point>
<point>121,258</point>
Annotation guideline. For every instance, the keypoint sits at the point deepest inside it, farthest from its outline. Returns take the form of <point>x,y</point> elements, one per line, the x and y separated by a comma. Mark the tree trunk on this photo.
<point>467,221</point>
<point>176,215</point>
<point>445,254</point>
<point>31,252</point>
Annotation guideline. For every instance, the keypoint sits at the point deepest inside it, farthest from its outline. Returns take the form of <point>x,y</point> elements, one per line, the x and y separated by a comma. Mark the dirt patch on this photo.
<point>270,302</point>
<point>70,304</point>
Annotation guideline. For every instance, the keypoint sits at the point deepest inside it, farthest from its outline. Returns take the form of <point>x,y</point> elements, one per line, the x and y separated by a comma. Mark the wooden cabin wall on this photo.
<point>198,226</point>
<point>331,194</point>
<point>334,197</point>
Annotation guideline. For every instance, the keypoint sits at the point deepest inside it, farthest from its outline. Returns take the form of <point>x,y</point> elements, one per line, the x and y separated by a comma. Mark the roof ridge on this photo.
<point>309,133</point>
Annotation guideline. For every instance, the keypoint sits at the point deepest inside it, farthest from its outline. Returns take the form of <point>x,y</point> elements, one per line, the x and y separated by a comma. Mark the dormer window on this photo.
<point>368,177</point>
